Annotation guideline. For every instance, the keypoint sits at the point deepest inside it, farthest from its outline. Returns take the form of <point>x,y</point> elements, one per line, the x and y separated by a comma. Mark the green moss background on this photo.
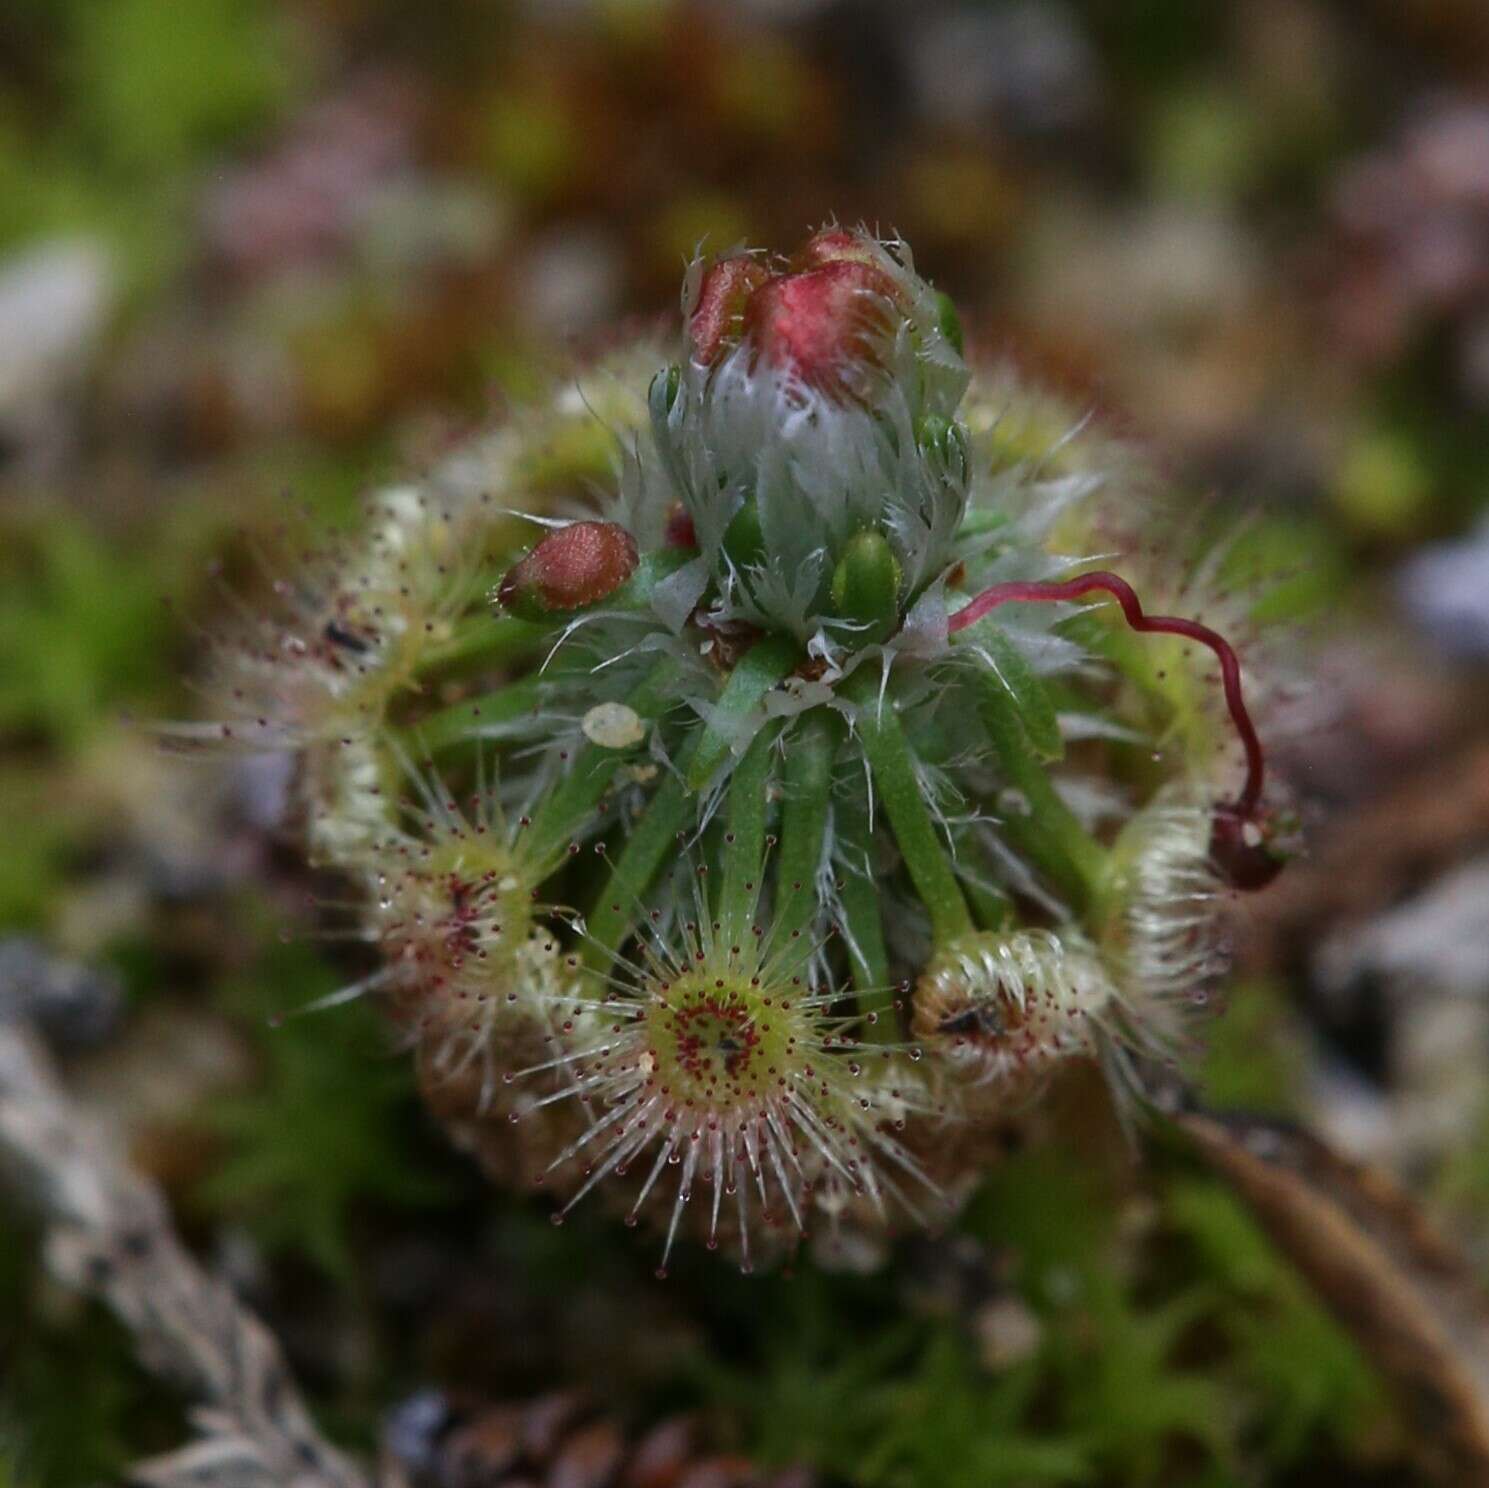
<point>1093,1318</point>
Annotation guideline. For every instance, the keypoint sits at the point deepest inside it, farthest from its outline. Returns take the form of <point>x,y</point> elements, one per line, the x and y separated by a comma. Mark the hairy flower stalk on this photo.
<point>1247,859</point>
<point>824,816</point>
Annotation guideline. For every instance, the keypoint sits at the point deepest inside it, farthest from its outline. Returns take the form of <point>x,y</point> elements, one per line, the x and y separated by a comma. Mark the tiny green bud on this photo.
<point>661,397</point>
<point>949,323</point>
<point>744,539</point>
<point>866,586</point>
<point>945,441</point>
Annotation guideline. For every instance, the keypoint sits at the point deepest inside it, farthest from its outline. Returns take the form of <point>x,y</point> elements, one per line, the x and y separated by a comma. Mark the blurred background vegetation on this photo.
<point>258,247</point>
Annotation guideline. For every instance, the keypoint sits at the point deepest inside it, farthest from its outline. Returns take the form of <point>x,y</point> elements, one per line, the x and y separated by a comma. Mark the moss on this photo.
<point>326,1133</point>
<point>154,82</point>
<point>81,629</point>
<point>1189,1354</point>
<point>1183,1351</point>
<point>1300,1374</point>
<point>1255,1057</point>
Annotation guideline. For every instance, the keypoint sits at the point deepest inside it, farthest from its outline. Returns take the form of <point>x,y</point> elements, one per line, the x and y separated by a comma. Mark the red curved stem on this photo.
<point>1132,609</point>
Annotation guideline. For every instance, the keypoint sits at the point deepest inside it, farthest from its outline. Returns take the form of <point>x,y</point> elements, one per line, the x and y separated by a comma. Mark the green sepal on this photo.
<point>744,538</point>
<point>661,396</point>
<point>661,401</point>
<point>979,521</point>
<point>525,607</point>
<point>651,569</point>
<point>866,587</point>
<point>944,440</point>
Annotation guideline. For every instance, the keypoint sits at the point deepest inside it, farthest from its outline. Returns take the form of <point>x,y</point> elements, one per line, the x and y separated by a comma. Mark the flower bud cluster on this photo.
<point>731,844</point>
<point>813,405</point>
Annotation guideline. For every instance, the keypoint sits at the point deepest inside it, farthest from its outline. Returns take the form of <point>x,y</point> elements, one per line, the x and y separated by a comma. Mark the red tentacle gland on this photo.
<point>1238,841</point>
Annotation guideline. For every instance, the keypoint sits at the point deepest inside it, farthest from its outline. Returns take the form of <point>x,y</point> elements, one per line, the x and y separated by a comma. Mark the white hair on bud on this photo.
<point>1160,930</point>
<point>346,791</point>
<point>1003,1007</point>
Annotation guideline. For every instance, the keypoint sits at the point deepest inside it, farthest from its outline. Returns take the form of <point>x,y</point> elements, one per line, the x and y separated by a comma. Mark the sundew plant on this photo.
<point>739,848</point>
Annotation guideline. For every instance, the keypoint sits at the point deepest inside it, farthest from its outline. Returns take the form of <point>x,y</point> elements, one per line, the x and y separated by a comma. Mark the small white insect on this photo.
<point>613,726</point>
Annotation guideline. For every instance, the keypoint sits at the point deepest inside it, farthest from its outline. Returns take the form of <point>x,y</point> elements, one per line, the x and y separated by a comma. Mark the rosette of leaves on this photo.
<point>822,791</point>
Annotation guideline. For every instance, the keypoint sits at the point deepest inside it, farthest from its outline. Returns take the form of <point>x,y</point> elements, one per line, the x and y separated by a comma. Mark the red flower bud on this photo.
<point>835,245</point>
<point>823,324</point>
<point>575,566</point>
<point>718,316</point>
